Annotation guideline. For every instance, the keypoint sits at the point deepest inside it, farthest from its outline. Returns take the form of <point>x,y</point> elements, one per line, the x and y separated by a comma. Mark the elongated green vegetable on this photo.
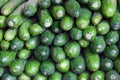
<point>10,6</point>
<point>16,18</point>
<point>2,2</point>
<point>30,7</point>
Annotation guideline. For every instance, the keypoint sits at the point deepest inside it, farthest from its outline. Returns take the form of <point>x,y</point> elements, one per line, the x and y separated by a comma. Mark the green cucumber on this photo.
<point>23,76</point>
<point>39,77</point>
<point>83,43</point>
<point>5,45</point>
<point>84,76</point>
<point>44,4</point>
<point>96,18</point>
<point>56,27</point>
<point>2,21</point>
<point>117,64</point>
<point>8,76</point>
<point>69,76</point>
<point>56,1</point>
<point>56,76</point>
<point>1,34</point>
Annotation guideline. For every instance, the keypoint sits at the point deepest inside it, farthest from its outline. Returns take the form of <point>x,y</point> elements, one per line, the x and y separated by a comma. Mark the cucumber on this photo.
<point>92,60</point>
<point>73,8</point>
<point>106,64</point>
<point>72,49</point>
<point>108,7</point>
<point>6,57</point>
<point>41,53</point>
<point>98,44</point>
<point>2,21</point>
<point>69,76</point>
<point>32,67</point>
<point>24,54</point>
<point>112,75</point>
<point>83,43</point>
<point>115,21</point>
<point>24,30</point>
<point>32,43</point>
<point>117,64</point>
<point>45,19</point>
<point>16,18</point>
<point>30,8</point>
<point>23,76</point>
<point>103,28</point>
<point>47,37</point>
<point>1,34</point>
<point>98,75</point>
<point>66,23</point>
<point>10,6</point>
<point>83,1</point>
<point>65,68</point>
<point>16,44</point>
<point>56,76</point>
<point>44,4</point>
<point>78,65</point>
<point>10,34</point>
<point>84,76</point>
<point>17,67</point>
<point>61,39</point>
<point>56,1</point>
<point>8,76</point>
<point>75,33</point>
<point>2,2</point>
<point>35,29</point>
<point>47,67</point>
<point>94,4</point>
<point>56,27</point>
<point>39,77</point>
<point>58,12</point>
<point>5,45</point>
<point>58,54</point>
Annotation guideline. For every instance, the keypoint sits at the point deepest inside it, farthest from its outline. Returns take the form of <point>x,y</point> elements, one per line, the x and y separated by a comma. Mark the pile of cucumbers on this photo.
<point>60,40</point>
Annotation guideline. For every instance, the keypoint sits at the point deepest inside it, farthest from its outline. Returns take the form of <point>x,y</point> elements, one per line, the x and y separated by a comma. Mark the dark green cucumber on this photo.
<point>98,75</point>
<point>35,29</point>
<point>115,21</point>
<point>10,6</point>
<point>83,20</point>
<point>66,23</point>
<point>23,76</point>
<point>94,4</point>
<point>72,49</point>
<point>16,44</point>
<point>5,45</point>
<point>32,43</point>
<point>112,37</point>
<point>41,53</point>
<point>90,33</point>
<point>32,67</point>
<point>61,39</point>
<point>58,54</point>
<point>108,7</point>
<point>83,43</point>
<point>73,8</point>
<point>75,33</point>
<point>96,18</point>
<point>112,75</point>
<point>111,51</point>
<point>17,67</point>
<point>56,1</point>
<point>92,60</point>
<point>106,64</point>
<point>65,68</point>
<point>30,8</point>
<point>1,34</point>
<point>24,54</point>
<point>47,67</point>
<point>56,76</point>
<point>98,44</point>
<point>56,27</point>
<point>117,64</point>
<point>78,65</point>
<point>47,37</point>
<point>58,12</point>
<point>10,34</point>
<point>6,57</point>
<point>83,1</point>
<point>16,18</point>
<point>24,30</point>
<point>44,3</point>
<point>69,76</point>
<point>84,76</point>
<point>2,21</point>
<point>45,19</point>
<point>103,28</point>
<point>8,76</point>
<point>2,2</point>
<point>39,77</point>
<point>1,71</point>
